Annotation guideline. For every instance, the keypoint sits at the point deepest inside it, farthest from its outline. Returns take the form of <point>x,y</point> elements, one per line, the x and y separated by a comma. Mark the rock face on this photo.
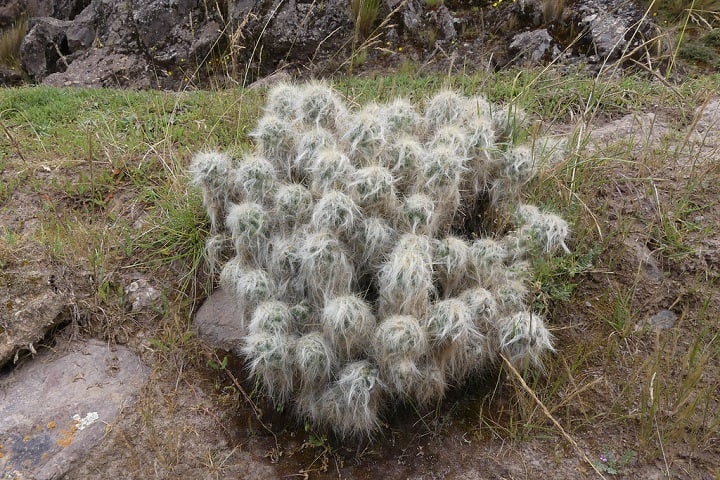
<point>31,303</point>
<point>173,44</point>
<point>57,407</point>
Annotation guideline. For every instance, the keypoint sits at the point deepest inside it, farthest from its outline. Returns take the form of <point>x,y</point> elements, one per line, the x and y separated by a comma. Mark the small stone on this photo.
<point>140,294</point>
<point>663,320</point>
<point>219,322</point>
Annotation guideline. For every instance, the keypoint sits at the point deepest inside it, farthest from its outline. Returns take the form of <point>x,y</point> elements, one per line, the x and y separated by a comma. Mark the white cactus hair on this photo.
<point>450,321</point>
<point>451,259</point>
<point>310,144</point>
<point>547,229</point>
<point>482,307</point>
<point>373,240</point>
<point>329,169</point>
<point>431,388</point>
<point>254,179</point>
<point>320,105</point>
<point>325,269</point>
<point>249,286</point>
<point>210,171</point>
<point>282,101</point>
<point>373,188</point>
<point>366,135</point>
<point>405,281</point>
<point>402,378</point>
<point>400,337</point>
<point>382,254</point>
<point>402,117</point>
<point>350,405</point>
<point>248,223</point>
<point>271,316</point>
<point>445,107</point>
<point>216,252</point>
<point>348,323</point>
<point>487,258</point>
<point>276,138</point>
<point>269,359</point>
<point>293,205</point>
<point>336,212</point>
<point>315,361</point>
<point>403,157</point>
<point>523,339</point>
<point>418,212</point>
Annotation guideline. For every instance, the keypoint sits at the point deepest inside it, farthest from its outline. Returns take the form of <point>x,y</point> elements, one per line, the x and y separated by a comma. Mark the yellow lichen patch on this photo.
<point>67,436</point>
<point>51,425</point>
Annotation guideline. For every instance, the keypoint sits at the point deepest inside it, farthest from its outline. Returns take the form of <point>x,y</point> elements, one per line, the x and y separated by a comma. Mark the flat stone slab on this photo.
<point>55,408</point>
<point>218,322</point>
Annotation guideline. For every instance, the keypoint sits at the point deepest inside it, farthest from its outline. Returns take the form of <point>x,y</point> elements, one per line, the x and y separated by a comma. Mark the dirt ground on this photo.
<point>194,421</point>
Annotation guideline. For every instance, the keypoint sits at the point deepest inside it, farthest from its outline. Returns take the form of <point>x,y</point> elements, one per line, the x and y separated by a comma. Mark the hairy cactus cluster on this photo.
<point>359,286</point>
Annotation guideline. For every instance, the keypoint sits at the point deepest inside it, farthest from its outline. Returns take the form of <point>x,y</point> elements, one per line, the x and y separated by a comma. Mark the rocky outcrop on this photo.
<point>173,44</point>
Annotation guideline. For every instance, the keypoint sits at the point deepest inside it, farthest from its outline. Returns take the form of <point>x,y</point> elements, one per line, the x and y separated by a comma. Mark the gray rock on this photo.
<point>662,320</point>
<point>219,322</point>
<point>30,305</point>
<point>534,47</point>
<point>140,294</point>
<point>56,408</point>
<point>44,49</point>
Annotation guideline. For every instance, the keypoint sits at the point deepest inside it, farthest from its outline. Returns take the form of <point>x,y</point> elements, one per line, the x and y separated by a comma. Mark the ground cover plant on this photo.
<point>94,188</point>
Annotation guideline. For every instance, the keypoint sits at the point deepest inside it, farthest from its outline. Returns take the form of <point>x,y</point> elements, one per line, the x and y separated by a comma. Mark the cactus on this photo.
<point>347,247</point>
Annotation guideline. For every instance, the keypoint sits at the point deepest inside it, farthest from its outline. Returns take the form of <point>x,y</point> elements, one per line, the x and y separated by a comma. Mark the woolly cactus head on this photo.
<point>248,223</point>
<point>406,279</point>
<point>320,105</point>
<point>373,189</point>
<point>450,321</point>
<point>276,138</point>
<point>335,212</point>
<point>329,169</point>
<point>348,323</point>
<point>270,357</point>
<point>325,269</point>
<point>254,179</point>
<point>546,230</point>
<point>309,145</point>
<point>400,337</point>
<point>315,360</point>
<point>445,107</point>
<point>272,317</point>
<point>418,213</point>
<point>403,156</point>
<point>293,205</point>
<point>523,339</point>
<point>401,116</point>
<point>451,259</point>
<point>249,286</point>
<point>282,102</point>
<point>350,405</point>
<point>210,171</point>
<point>366,135</point>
